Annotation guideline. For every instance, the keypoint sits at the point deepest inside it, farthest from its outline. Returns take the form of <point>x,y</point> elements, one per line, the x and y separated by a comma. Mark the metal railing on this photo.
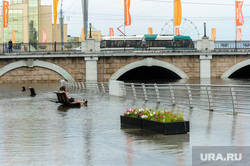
<point>42,47</point>
<point>100,87</point>
<point>232,98</point>
<point>76,47</point>
<point>232,46</point>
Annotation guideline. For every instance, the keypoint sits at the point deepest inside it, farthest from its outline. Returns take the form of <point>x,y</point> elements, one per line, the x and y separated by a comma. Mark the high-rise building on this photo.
<point>28,18</point>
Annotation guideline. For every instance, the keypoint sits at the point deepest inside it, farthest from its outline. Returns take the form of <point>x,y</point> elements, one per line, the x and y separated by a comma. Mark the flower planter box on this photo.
<point>166,128</point>
<point>135,122</point>
<point>163,128</point>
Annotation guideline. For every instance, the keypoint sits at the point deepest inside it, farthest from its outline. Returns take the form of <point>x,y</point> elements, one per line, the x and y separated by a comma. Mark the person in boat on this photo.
<point>71,99</point>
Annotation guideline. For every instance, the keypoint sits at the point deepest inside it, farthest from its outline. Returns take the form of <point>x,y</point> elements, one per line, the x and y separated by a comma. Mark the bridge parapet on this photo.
<point>205,45</point>
<point>90,46</point>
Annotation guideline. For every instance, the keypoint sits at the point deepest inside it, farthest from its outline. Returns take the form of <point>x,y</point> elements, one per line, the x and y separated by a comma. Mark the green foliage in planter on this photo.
<point>132,113</point>
<point>155,115</point>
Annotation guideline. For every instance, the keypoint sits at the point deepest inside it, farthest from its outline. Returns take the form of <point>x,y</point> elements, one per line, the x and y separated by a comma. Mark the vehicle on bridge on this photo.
<point>152,41</point>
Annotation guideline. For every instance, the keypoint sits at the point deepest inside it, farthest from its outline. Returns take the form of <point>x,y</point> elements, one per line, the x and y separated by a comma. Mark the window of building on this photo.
<point>33,21</point>
<point>15,23</point>
<point>17,1</point>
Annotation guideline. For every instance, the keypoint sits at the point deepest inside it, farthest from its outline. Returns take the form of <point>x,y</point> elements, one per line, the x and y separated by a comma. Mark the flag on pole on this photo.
<point>238,35</point>
<point>44,36</point>
<point>177,31</point>
<point>214,34</point>
<point>150,31</point>
<point>127,12</point>
<point>55,12</point>
<point>83,34</point>
<point>177,12</point>
<point>239,14</point>
<point>5,14</point>
<point>13,36</point>
<point>111,32</point>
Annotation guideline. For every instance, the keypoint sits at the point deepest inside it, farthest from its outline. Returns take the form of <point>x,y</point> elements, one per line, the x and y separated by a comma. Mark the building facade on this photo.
<point>27,19</point>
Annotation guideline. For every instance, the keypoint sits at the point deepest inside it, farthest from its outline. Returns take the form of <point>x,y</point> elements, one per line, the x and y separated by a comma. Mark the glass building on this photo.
<point>16,24</point>
<point>27,19</point>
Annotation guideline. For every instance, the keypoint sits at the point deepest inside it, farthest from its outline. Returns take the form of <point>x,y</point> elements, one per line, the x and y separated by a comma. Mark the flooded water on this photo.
<point>38,131</point>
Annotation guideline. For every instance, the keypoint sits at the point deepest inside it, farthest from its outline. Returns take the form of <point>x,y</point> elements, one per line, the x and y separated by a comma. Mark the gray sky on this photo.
<point>105,14</point>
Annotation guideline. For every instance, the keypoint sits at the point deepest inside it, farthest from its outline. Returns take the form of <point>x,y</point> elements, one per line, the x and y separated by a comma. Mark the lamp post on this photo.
<point>85,17</point>
<point>61,23</point>
<point>205,35</point>
<point>90,26</point>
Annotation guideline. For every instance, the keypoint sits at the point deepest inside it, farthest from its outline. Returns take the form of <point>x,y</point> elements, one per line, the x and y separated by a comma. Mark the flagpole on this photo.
<point>173,18</point>
<point>85,16</point>
<point>124,25</point>
<point>54,34</point>
<point>235,22</point>
<point>3,29</point>
<point>235,27</point>
<point>124,36</point>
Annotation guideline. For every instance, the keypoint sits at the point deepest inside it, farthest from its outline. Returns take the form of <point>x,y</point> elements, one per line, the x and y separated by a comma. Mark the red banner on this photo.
<point>238,35</point>
<point>55,12</point>
<point>177,12</point>
<point>44,36</point>
<point>127,12</point>
<point>177,31</point>
<point>5,14</point>
<point>214,34</point>
<point>83,34</point>
<point>150,31</point>
<point>13,36</point>
<point>111,32</point>
<point>239,14</point>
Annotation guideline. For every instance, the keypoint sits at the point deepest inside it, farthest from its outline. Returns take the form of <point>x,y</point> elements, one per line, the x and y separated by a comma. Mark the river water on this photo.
<point>38,131</point>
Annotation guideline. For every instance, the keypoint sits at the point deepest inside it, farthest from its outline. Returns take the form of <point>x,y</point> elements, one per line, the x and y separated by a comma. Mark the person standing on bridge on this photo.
<point>143,42</point>
<point>7,47</point>
<point>10,46</point>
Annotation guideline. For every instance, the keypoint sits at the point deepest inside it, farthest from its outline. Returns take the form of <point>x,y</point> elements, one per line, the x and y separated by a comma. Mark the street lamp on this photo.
<point>90,26</point>
<point>205,30</point>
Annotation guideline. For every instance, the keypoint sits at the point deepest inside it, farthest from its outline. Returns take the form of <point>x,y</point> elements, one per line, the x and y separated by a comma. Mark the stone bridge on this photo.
<point>93,65</point>
<point>103,67</point>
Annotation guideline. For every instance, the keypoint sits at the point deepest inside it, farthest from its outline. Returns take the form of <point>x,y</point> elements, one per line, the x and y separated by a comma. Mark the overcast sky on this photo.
<point>105,14</point>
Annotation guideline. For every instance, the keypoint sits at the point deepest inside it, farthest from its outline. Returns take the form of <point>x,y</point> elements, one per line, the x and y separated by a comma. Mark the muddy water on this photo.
<point>38,131</point>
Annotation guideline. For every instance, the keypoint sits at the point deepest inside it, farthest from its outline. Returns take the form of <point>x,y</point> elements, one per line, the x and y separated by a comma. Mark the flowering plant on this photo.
<point>155,115</point>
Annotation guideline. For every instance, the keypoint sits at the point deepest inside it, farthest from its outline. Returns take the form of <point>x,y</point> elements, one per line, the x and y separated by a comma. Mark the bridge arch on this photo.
<point>148,62</point>
<point>236,67</point>
<point>38,63</point>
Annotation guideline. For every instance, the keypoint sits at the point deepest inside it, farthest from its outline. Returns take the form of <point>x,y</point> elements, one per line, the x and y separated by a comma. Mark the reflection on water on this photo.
<point>165,141</point>
<point>39,131</point>
<point>172,144</point>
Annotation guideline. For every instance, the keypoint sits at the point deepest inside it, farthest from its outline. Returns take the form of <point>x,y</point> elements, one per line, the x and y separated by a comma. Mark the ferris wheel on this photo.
<point>187,28</point>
